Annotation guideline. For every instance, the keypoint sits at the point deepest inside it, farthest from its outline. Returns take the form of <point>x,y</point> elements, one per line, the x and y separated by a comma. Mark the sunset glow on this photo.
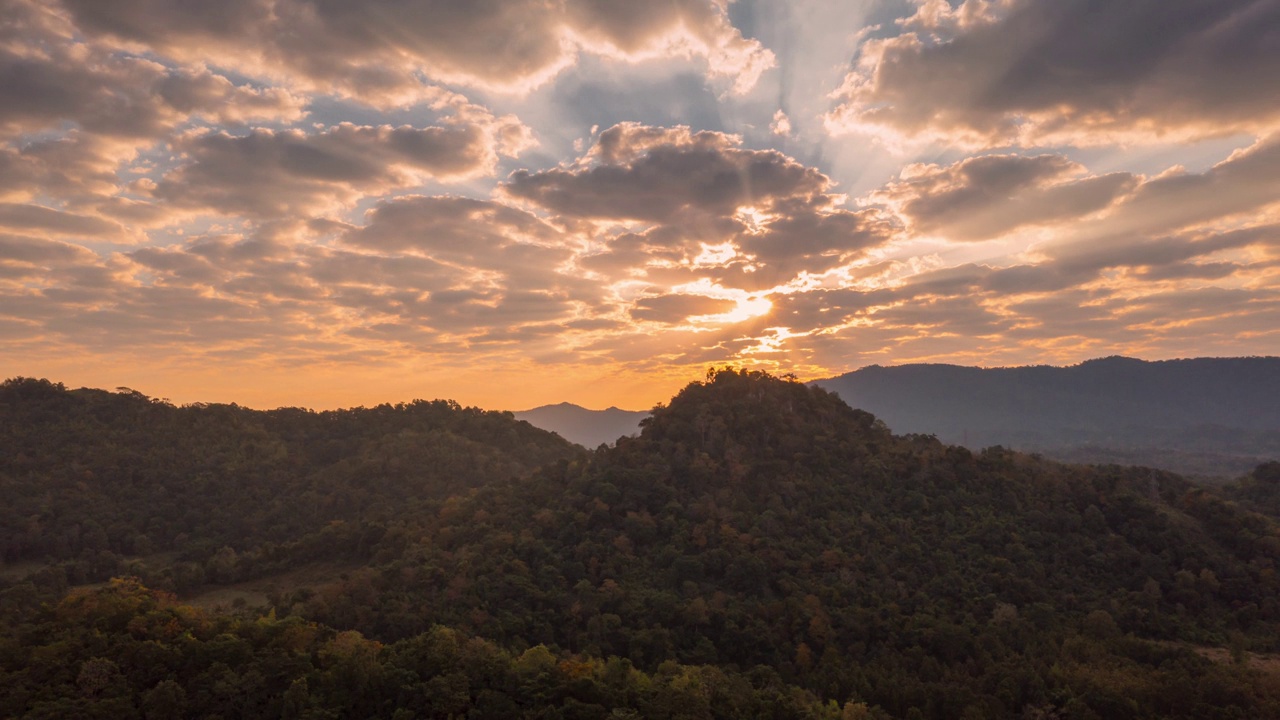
<point>570,202</point>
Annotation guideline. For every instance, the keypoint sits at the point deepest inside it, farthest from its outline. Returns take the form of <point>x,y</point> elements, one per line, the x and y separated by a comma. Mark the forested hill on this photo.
<point>759,522</point>
<point>93,477</point>
<point>1203,416</point>
<point>760,549</point>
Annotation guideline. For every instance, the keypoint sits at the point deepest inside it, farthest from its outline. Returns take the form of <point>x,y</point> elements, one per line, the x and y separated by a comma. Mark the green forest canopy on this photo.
<point>761,547</point>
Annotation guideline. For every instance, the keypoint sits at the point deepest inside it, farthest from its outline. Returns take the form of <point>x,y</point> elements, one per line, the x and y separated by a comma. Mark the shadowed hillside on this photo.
<point>756,522</point>
<point>760,549</point>
<point>219,493</point>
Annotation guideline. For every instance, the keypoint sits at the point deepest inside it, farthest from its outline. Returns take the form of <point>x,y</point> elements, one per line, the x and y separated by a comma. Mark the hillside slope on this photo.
<point>221,492</point>
<point>759,522</point>
<point>760,549</point>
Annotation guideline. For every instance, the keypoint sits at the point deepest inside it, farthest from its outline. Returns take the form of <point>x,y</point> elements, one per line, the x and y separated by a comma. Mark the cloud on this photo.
<point>46,84</point>
<point>451,227</point>
<point>1036,72</point>
<point>263,297</point>
<point>781,124</point>
<point>26,258</point>
<point>982,198</point>
<point>1149,265</point>
<point>379,50</point>
<point>262,184</point>
<point>670,176</point>
<point>1245,183</point>
<point>452,277</point>
<point>673,309</point>
<point>490,248</point>
<point>811,236</point>
<point>75,167</point>
<point>427,274</point>
<point>706,206</point>
<point>269,173</point>
<point>39,218</point>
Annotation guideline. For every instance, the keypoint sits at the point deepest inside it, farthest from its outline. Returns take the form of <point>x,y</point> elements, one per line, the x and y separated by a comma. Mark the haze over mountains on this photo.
<point>588,428</point>
<point>1205,416</point>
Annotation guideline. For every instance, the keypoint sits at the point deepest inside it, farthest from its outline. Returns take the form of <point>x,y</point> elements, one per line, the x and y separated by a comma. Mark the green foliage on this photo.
<point>760,550</point>
<point>124,651</point>
<point>93,478</point>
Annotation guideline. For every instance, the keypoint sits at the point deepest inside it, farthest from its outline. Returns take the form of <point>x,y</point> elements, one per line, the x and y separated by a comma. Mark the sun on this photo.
<point>749,306</point>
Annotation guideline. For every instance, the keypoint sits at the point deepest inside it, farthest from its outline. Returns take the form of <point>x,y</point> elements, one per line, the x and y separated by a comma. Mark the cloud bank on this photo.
<point>312,193</point>
<point>1026,72</point>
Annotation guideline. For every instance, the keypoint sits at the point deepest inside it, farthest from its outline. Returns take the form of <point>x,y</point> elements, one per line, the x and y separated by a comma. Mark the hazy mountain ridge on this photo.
<point>1192,415</point>
<point>1204,417</point>
<point>589,428</point>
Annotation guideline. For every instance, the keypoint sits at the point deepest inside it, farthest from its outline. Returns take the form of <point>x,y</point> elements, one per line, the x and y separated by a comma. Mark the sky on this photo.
<point>511,203</point>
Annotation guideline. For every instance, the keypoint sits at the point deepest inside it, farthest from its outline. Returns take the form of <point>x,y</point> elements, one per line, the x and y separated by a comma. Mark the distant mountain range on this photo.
<point>1209,416</point>
<point>1205,416</point>
<point>589,428</point>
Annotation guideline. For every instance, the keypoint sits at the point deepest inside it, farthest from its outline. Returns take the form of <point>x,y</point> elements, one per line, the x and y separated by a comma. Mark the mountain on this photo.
<point>759,549</point>
<point>760,522</point>
<point>1211,416</point>
<point>589,428</point>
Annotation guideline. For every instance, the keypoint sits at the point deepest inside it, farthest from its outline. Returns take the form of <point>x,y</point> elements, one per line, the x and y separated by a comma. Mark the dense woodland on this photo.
<point>761,549</point>
<point>94,478</point>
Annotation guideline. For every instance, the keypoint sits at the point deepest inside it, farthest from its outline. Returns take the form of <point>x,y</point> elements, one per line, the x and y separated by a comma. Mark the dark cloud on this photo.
<point>1043,278</point>
<point>633,252</point>
<point>984,197</point>
<point>74,167</point>
<point>667,176</point>
<point>1088,258</point>
<point>1032,71</point>
<point>750,219</point>
<point>1191,271</point>
<point>39,254</point>
<point>379,49</point>
<point>450,227</point>
<point>813,237</point>
<point>1195,304</point>
<point>481,241</point>
<point>39,218</point>
<point>281,173</point>
<point>816,309</point>
<point>160,23</point>
<point>111,94</point>
<point>185,267</point>
<point>1246,182</point>
<point>671,309</point>
<point>1071,265</point>
<point>966,316</point>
